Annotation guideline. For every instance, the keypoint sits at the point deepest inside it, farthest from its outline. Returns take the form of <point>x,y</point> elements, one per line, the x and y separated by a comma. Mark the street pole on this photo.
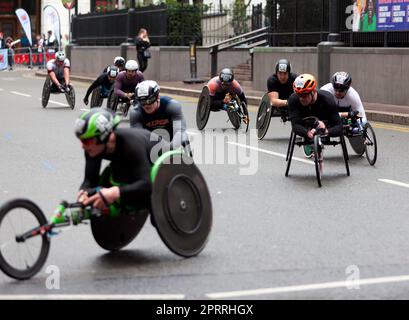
<point>324,48</point>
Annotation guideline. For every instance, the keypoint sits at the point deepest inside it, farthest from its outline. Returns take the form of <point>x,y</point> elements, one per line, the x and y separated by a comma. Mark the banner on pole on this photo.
<point>24,19</point>
<point>53,19</point>
<point>3,59</point>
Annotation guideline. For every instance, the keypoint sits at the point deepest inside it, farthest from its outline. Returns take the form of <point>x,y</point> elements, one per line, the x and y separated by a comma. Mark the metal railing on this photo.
<point>252,39</point>
<point>27,57</point>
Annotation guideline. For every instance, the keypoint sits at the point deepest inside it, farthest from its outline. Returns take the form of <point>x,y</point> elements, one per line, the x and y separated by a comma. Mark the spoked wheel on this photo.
<point>203,109</point>
<point>96,99</point>
<point>70,96</point>
<point>263,116</point>
<point>371,148</point>
<point>318,158</point>
<point>22,259</point>
<point>46,92</point>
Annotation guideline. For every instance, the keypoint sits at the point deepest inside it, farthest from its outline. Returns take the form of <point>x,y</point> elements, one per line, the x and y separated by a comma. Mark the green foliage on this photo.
<point>184,23</point>
<point>240,18</point>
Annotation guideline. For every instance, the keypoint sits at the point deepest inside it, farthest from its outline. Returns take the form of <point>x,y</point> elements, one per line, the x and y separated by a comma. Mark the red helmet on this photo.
<point>304,83</point>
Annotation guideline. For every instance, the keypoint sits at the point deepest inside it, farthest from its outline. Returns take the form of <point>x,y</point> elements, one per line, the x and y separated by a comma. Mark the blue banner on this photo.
<point>3,59</point>
<point>393,15</point>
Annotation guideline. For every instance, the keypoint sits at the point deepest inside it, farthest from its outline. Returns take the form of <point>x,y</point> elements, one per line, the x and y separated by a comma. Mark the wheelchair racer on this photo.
<point>347,100</point>
<point>59,72</point>
<point>307,101</point>
<point>222,89</point>
<point>127,80</point>
<point>280,84</point>
<point>129,153</point>
<point>152,112</point>
<point>119,62</point>
<point>105,81</point>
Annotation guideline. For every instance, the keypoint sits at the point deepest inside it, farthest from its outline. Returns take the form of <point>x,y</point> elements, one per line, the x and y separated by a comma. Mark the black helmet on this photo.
<point>283,65</point>
<point>119,61</point>
<point>146,92</point>
<point>226,76</point>
<point>341,80</point>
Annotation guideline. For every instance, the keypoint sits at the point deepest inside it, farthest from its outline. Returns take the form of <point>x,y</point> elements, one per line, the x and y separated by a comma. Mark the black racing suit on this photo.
<point>104,82</point>
<point>284,90</point>
<point>168,116</point>
<point>130,166</point>
<point>324,108</point>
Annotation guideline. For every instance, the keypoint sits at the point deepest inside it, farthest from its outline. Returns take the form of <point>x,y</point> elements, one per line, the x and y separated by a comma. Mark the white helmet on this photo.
<point>119,61</point>
<point>60,55</point>
<point>131,65</point>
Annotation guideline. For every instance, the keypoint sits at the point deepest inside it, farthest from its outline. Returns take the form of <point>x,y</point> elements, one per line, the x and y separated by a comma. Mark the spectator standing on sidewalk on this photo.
<point>142,44</point>
<point>10,47</point>
<point>2,42</point>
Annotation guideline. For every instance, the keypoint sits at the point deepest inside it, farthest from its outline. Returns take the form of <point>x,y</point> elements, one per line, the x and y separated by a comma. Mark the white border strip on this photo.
<point>270,152</point>
<point>21,94</point>
<point>308,287</point>
<point>396,183</point>
<point>92,297</point>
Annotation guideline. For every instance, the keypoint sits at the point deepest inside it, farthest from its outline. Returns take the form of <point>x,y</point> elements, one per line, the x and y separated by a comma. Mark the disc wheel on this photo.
<point>45,96</point>
<point>371,147</point>
<point>263,116</point>
<point>96,99</point>
<point>70,96</point>
<point>203,109</point>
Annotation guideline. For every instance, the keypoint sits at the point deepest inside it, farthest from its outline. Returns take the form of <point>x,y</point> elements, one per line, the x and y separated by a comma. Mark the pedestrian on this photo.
<point>39,46</point>
<point>142,44</point>
<point>10,47</point>
<point>2,42</point>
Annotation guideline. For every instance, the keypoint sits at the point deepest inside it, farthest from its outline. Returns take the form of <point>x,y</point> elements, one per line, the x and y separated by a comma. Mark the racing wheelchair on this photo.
<point>265,112</point>
<point>180,208</point>
<point>98,95</point>
<point>363,139</point>
<point>236,111</point>
<point>317,144</point>
<point>119,105</point>
<point>49,88</point>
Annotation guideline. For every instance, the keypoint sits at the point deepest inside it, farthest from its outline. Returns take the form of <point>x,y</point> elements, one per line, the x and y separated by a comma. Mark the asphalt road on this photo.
<point>283,235</point>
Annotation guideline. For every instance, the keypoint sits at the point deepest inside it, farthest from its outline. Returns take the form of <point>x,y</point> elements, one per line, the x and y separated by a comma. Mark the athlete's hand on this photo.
<point>85,101</point>
<point>227,98</point>
<point>103,198</point>
<point>82,196</point>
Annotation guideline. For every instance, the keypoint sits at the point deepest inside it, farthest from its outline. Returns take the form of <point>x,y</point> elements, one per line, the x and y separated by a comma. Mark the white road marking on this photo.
<point>308,287</point>
<point>1,89</point>
<point>270,152</point>
<point>20,94</point>
<point>84,109</point>
<point>396,183</point>
<point>192,133</point>
<point>92,297</point>
<point>58,103</point>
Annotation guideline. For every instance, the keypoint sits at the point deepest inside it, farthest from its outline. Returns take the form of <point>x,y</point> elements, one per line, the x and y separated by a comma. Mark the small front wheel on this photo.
<point>318,158</point>
<point>70,96</point>
<point>371,148</point>
<point>22,259</point>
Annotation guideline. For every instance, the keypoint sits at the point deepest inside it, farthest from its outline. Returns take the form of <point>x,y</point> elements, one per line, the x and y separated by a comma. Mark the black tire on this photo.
<point>70,96</point>
<point>234,118</point>
<point>263,117</point>
<point>112,101</point>
<point>203,109</point>
<point>317,161</point>
<point>345,154</point>
<point>45,96</point>
<point>290,150</point>
<point>371,147</point>
<point>43,240</point>
<point>357,144</point>
<point>96,99</point>
<point>245,119</point>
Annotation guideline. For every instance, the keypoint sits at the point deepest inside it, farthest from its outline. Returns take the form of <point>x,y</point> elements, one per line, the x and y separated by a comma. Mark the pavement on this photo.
<point>387,113</point>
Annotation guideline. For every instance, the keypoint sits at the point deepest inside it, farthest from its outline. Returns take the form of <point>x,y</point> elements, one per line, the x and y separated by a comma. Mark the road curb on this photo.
<point>372,115</point>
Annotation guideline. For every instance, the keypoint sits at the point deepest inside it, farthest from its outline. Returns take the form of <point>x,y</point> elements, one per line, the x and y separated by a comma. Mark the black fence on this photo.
<point>116,27</point>
<point>168,24</point>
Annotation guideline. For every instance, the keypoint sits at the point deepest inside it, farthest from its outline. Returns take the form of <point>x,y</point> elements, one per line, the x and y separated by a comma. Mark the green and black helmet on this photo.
<point>96,123</point>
